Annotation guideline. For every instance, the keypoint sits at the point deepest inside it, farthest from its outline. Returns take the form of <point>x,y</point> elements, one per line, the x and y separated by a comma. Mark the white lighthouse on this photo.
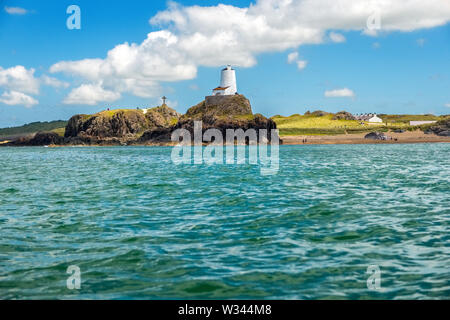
<point>227,83</point>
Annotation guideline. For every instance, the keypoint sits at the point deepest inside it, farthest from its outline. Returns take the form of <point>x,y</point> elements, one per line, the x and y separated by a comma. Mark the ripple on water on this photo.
<point>139,226</point>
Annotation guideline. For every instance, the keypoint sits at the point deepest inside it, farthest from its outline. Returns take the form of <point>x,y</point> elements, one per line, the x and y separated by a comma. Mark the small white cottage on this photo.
<point>369,117</point>
<point>375,119</point>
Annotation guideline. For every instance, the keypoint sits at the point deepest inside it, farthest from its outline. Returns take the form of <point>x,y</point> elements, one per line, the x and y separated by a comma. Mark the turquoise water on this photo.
<point>140,227</point>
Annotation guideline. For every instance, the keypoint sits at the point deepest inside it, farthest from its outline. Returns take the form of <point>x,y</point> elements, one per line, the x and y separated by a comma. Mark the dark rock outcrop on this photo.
<point>343,115</point>
<point>38,139</point>
<point>156,135</point>
<point>120,126</point>
<point>440,128</point>
<point>228,112</point>
<point>376,136</point>
<point>107,124</point>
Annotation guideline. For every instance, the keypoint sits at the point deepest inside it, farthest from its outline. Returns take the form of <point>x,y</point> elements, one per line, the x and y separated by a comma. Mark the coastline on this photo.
<point>397,138</point>
<point>401,138</point>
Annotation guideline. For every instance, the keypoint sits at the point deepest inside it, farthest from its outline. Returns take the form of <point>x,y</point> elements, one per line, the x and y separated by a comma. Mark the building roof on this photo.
<point>366,117</point>
<point>221,88</point>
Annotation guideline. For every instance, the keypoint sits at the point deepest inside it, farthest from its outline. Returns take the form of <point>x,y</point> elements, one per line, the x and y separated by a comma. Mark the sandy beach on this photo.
<point>405,137</point>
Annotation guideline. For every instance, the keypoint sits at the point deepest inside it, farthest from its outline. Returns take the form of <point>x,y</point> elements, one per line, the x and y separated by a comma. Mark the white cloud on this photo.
<point>420,42</point>
<point>336,37</point>
<point>301,64</point>
<point>447,105</point>
<point>345,92</point>
<point>196,36</point>
<point>18,78</point>
<point>292,57</point>
<point>132,68</point>
<point>16,10</point>
<point>90,94</point>
<point>376,45</point>
<point>87,68</point>
<point>53,82</point>
<point>19,82</point>
<point>17,98</point>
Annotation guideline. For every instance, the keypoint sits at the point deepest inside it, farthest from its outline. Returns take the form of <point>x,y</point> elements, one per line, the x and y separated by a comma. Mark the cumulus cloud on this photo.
<point>338,93</point>
<point>18,82</point>
<point>336,37</point>
<point>193,36</point>
<point>16,10</point>
<point>18,78</point>
<point>90,94</point>
<point>17,98</point>
<point>53,82</point>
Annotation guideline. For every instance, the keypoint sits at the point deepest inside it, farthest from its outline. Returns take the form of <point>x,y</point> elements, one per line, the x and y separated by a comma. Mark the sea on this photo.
<point>332,222</point>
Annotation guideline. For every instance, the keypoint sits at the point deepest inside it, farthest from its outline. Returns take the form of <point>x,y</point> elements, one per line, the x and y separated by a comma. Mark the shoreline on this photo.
<point>397,138</point>
<point>289,143</point>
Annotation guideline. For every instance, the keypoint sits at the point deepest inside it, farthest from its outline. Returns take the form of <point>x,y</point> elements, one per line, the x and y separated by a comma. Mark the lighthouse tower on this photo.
<point>227,83</point>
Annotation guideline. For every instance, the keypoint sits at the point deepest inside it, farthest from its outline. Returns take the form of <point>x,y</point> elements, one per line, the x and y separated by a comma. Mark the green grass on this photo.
<point>406,118</point>
<point>313,125</point>
<point>173,121</point>
<point>31,128</point>
<point>324,125</point>
<point>59,131</point>
<point>111,113</point>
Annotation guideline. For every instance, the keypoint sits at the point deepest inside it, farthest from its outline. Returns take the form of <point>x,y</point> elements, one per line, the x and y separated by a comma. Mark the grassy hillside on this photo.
<point>59,131</point>
<point>32,128</point>
<point>406,118</point>
<point>317,125</point>
<point>312,124</point>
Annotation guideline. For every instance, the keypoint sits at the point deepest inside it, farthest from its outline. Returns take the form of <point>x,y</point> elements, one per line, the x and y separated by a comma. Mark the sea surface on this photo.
<point>139,226</point>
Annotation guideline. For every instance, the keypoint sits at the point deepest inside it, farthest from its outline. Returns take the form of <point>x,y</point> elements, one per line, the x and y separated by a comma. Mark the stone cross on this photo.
<point>164,99</point>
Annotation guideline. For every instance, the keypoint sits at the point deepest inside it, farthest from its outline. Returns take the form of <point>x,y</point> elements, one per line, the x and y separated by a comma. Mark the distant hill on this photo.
<point>32,128</point>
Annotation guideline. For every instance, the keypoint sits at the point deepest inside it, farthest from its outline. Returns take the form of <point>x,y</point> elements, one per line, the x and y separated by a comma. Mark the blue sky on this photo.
<point>403,68</point>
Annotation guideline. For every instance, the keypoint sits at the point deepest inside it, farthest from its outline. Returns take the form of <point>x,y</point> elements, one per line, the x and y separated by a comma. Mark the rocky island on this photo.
<point>151,126</point>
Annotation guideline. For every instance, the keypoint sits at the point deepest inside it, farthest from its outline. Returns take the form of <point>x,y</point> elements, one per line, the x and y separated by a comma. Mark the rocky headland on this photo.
<point>152,126</point>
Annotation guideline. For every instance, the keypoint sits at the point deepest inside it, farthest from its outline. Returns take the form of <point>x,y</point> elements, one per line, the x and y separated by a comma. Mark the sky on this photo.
<point>290,56</point>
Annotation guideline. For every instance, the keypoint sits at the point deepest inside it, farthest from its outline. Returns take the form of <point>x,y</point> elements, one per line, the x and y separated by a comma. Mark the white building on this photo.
<point>227,83</point>
<point>369,117</point>
<point>375,119</point>
<point>419,123</point>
